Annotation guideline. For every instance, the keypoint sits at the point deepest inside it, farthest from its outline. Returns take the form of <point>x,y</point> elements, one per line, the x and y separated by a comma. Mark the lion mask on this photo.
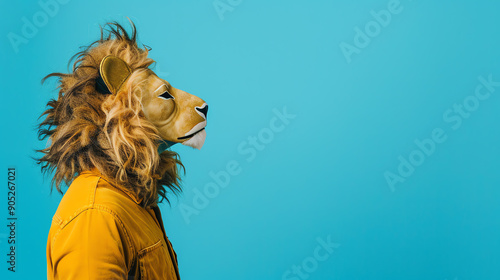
<point>179,116</point>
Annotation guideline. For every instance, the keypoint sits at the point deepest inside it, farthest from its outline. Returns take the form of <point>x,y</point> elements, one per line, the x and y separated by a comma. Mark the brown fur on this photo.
<point>89,129</point>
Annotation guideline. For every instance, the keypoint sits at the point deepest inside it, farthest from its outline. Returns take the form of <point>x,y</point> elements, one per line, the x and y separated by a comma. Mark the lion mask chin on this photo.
<point>197,140</point>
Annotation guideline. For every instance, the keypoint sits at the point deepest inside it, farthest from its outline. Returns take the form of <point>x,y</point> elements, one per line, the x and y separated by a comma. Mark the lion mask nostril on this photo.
<point>203,109</point>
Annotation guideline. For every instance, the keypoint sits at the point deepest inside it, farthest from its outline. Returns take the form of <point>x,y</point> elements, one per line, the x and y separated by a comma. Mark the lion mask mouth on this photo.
<point>196,136</point>
<point>197,139</point>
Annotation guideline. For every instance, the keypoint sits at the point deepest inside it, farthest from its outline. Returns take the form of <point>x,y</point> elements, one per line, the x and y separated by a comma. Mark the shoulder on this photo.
<point>95,211</point>
<point>80,243</point>
<point>89,191</point>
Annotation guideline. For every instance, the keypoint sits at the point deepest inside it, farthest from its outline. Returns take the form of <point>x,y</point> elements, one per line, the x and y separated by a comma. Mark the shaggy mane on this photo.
<point>88,129</point>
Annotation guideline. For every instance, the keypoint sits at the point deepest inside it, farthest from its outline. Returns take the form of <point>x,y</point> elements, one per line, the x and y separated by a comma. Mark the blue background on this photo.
<point>321,176</point>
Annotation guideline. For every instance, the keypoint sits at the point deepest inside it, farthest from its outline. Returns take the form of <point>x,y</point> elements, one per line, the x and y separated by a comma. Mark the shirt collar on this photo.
<point>128,192</point>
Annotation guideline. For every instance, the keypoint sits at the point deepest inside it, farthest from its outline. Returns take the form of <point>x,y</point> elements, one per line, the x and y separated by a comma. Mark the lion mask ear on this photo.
<point>113,73</point>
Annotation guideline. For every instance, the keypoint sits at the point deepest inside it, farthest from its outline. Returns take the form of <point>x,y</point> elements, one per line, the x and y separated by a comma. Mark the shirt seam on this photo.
<point>92,205</point>
<point>102,208</point>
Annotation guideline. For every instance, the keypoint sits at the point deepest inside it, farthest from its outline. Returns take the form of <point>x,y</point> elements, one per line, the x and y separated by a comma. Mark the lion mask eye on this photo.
<point>166,96</point>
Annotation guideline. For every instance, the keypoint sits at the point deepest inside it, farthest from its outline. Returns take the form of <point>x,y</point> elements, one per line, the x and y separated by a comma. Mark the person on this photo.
<point>109,130</point>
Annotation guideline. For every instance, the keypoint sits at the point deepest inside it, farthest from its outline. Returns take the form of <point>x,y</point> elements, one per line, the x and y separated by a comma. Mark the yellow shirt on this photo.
<point>100,231</point>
